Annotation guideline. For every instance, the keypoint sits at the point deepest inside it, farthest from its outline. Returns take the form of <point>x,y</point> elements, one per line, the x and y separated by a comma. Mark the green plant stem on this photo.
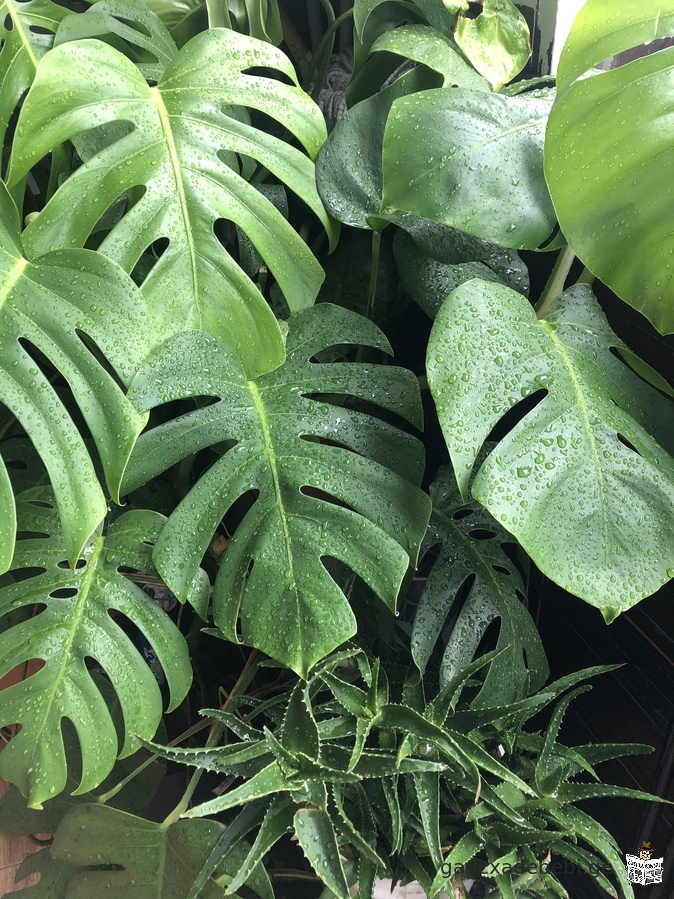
<point>586,277</point>
<point>372,289</point>
<point>321,58</point>
<point>556,282</point>
<point>218,14</point>
<point>246,676</point>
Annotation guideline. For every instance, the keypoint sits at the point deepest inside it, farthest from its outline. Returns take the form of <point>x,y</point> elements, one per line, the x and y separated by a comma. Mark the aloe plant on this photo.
<point>212,450</point>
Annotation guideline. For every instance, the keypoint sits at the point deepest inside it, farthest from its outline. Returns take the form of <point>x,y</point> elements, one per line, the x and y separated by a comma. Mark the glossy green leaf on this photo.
<point>276,823</point>
<point>188,133</point>
<point>73,626</point>
<point>21,48</point>
<point>119,855</point>
<point>472,550</point>
<point>352,496</point>
<point>127,25</point>
<point>428,281</point>
<point>316,836</point>
<point>349,166</point>
<point>185,18</point>
<point>60,304</point>
<point>609,152</point>
<point>430,47</point>
<point>496,42</point>
<point>7,519</point>
<point>486,178</point>
<point>573,477</point>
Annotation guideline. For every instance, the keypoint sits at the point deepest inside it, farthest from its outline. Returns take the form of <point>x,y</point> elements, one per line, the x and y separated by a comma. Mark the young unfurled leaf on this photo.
<point>496,42</point>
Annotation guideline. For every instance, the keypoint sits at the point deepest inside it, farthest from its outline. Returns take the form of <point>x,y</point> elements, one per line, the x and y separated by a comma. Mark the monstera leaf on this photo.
<point>188,133</point>
<point>472,160</point>
<point>107,851</point>
<point>127,25</point>
<point>471,549</point>
<point>58,304</point>
<point>74,625</point>
<point>496,42</point>
<point>21,48</point>
<point>609,151</point>
<point>580,481</point>
<point>331,481</point>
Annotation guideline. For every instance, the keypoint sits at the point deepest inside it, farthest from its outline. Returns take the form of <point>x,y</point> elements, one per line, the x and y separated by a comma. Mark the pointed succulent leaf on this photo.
<point>127,25</point>
<point>300,733</point>
<point>550,767</point>
<point>114,853</point>
<point>249,817</point>
<point>562,478</point>
<point>316,836</point>
<point>275,824</point>
<point>615,203</point>
<point>58,305</point>
<point>200,102</point>
<point>496,42</point>
<point>74,625</point>
<point>578,824</point>
<point>487,179</point>
<point>346,827</point>
<point>21,48</point>
<point>427,786</point>
<point>472,550</point>
<point>267,782</point>
<point>332,481</point>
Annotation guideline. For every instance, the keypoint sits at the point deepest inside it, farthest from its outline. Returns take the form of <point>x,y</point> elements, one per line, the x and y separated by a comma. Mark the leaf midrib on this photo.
<point>73,625</point>
<point>18,27</point>
<point>263,419</point>
<point>165,120</point>
<point>582,406</point>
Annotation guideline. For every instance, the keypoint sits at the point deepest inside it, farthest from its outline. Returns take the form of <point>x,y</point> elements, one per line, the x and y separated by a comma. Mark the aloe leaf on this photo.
<point>562,478</point>
<point>486,178</point>
<point>200,102</point>
<point>75,625</point>
<point>608,152</point>
<point>21,48</point>
<point>275,824</point>
<point>472,548</point>
<point>58,305</point>
<point>112,853</point>
<point>316,836</point>
<point>332,481</point>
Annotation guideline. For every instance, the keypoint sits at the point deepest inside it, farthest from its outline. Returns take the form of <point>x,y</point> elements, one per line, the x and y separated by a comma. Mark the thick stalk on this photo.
<point>556,282</point>
<point>246,676</point>
<point>218,14</point>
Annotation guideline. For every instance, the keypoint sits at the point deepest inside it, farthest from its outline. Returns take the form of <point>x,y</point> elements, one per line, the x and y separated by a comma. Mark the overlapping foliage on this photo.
<point>169,195</point>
